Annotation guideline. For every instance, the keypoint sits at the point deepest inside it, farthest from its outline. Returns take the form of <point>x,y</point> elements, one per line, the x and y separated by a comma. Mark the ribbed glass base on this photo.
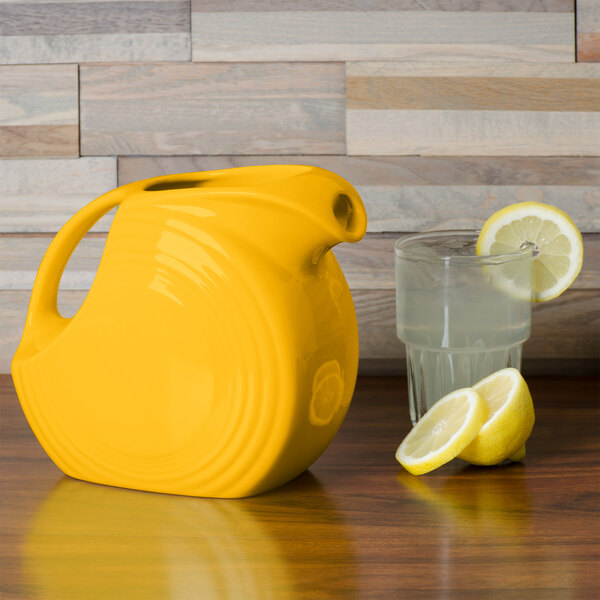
<point>434,373</point>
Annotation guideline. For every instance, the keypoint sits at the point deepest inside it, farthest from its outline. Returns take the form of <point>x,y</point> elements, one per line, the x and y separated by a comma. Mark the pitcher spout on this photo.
<point>291,213</point>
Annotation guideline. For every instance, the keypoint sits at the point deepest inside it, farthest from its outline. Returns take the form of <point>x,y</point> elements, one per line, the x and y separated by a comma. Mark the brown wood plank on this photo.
<point>39,140</point>
<point>181,108</point>
<point>566,327</point>
<point>588,47</point>
<point>355,526</point>
<point>473,93</point>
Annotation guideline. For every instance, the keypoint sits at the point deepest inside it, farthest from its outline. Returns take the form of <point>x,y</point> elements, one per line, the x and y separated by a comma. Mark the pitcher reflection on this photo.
<point>90,541</point>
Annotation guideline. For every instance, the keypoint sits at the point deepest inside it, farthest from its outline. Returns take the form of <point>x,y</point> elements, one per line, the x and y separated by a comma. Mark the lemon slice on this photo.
<point>509,422</point>
<point>443,432</point>
<point>557,244</point>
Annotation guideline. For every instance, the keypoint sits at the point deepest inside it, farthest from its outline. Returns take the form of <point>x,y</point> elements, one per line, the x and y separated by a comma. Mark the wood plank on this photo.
<point>405,193</point>
<point>42,194</point>
<point>472,93</point>
<point>588,47</point>
<point>39,140</point>
<point>564,328</point>
<point>101,47</point>
<point>384,35</point>
<point>181,109</point>
<point>369,264</point>
<point>393,109</point>
<point>588,30</point>
<point>94,31</point>
<point>457,132</point>
<point>362,5</point>
<point>120,16</point>
<point>472,69</point>
<point>39,112</point>
<point>39,95</point>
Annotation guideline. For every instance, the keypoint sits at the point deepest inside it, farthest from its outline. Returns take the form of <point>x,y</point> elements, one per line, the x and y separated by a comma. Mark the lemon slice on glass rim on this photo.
<point>557,245</point>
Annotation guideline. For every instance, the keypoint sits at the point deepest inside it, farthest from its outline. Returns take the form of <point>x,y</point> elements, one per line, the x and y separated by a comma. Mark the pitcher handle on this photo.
<point>44,322</point>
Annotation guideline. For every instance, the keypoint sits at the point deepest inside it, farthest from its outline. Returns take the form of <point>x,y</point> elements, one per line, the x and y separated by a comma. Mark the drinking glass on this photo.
<point>461,316</point>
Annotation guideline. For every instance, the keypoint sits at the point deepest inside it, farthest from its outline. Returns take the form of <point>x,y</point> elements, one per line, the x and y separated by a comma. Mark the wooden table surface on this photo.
<point>355,526</point>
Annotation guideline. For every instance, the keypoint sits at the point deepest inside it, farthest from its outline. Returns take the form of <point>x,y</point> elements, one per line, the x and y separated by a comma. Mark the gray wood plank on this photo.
<point>101,47</point>
<point>68,17</point>
<point>39,95</point>
<point>94,31</point>
<point>216,109</point>
<point>42,194</point>
<point>412,193</point>
<point>363,5</point>
<point>384,35</point>
<point>475,132</point>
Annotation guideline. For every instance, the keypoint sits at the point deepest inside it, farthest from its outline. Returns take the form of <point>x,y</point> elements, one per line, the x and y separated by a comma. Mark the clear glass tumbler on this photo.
<point>461,316</point>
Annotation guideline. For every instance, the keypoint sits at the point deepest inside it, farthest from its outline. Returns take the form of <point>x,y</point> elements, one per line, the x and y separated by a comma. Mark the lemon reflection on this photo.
<point>91,541</point>
<point>477,501</point>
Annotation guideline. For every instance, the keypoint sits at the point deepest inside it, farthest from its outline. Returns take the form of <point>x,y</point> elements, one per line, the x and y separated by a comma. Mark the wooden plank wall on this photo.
<point>438,111</point>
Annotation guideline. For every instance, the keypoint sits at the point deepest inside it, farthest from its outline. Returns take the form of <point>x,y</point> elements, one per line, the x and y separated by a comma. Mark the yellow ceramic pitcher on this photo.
<point>216,352</point>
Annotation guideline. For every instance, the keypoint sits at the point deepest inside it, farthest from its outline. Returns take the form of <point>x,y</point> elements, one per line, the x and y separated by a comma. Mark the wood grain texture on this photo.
<point>394,109</point>
<point>588,30</point>
<point>385,35</point>
<point>356,526</point>
<point>119,16</point>
<point>564,328</point>
<point>84,48</point>
<point>362,5</point>
<point>369,264</point>
<point>92,31</point>
<point>457,132</point>
<point>182,108</point>
<point>39,112</point>
<point>473,93</point>
<point>413,193</point>
<point>42,194</point>
<point>39,140</point>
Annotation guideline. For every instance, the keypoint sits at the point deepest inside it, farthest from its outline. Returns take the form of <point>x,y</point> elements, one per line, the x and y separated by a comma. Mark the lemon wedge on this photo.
<point>509,422</point>
<point>557,244</point>
<point>448,427</point>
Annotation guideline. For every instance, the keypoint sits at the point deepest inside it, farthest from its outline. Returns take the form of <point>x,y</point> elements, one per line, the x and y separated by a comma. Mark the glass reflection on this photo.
<point>91,541</point>
<point>476,502</point>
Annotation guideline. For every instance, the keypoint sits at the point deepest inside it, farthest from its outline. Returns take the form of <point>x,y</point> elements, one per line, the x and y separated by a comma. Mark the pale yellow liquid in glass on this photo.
<point>457,323</point>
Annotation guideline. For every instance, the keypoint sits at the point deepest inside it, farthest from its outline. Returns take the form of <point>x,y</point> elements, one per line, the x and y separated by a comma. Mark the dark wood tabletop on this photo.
<point>356,525</point>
